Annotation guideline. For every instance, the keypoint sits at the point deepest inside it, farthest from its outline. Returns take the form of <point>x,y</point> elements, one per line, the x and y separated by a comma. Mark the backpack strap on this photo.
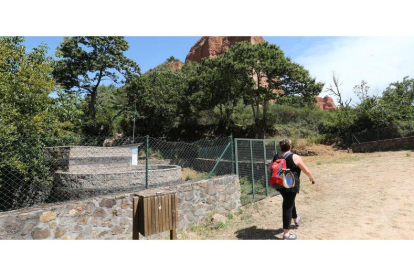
<point>287,155</point>
<point>278,156</point>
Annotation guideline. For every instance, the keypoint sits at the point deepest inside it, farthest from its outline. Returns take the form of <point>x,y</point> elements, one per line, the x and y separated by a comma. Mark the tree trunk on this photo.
<point>221,111</point>
<point>254,112</point>
<point>257,123</point>
<point>260,130</point>
<point>92,104</point>
<point>263,123</point>
<point>94,93</point>
<point>257,120</point>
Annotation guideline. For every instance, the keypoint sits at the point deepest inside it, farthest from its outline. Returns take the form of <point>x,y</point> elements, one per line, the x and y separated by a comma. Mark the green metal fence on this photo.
<point>35,171</point>
<point>198,160</point>
<point>393,132</point>
<point>252,157</point>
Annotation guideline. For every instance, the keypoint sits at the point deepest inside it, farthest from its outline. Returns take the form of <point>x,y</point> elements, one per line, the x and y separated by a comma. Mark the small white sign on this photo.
<point>134,156</point>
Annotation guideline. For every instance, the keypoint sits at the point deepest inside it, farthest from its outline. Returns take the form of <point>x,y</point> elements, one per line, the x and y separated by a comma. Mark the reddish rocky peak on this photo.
<point>325,103</point>
<point>211,46</point>
<point>176,64</point>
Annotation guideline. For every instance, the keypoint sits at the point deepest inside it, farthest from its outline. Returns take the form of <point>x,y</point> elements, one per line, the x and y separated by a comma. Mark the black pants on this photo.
<point>289,208</point>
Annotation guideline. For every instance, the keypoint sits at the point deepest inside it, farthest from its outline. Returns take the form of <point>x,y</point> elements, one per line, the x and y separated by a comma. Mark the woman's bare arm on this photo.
<point>299,162</point>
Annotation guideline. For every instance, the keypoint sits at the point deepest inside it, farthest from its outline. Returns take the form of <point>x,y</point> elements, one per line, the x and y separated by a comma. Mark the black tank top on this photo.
<point>294,169</point>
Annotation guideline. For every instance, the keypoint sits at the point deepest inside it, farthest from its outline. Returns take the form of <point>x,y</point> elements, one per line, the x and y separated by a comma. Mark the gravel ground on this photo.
<point>357,196</point>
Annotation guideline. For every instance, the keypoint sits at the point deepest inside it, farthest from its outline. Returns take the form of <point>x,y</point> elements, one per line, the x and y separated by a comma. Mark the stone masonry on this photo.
<point>81,185</point>
<point>109,217</point>
<point>82,172</point>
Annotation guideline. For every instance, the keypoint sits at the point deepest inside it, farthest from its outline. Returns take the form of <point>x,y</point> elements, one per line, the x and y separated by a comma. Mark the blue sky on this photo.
<point>377,60</point>
<point>149,52</point>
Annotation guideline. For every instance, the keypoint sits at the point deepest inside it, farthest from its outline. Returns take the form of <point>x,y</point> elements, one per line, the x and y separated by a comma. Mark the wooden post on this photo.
<point>135,226</point>
<point>174,205</point>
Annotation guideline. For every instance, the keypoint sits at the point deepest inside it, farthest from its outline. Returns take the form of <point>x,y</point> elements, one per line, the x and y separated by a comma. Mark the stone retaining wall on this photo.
<point>385,145</point>
<point>157,174</point>
<point>110,216</point>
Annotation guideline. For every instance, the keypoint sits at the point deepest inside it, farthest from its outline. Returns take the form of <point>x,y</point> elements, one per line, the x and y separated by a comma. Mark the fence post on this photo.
<point>232,155</point>
<point>218,160</point>
<point>237,157</point>
<point>356,139</point>
<point>265,168</point>
<point>275,147</point>
<point>146,161</point>
<point>251,160</point>
<point>133,132</point>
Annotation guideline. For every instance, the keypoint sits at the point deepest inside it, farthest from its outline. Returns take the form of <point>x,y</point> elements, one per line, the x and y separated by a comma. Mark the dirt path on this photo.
<point>357,196</point>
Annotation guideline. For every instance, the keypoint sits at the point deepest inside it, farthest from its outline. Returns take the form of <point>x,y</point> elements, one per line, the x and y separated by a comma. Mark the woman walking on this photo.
<point>295,163</point>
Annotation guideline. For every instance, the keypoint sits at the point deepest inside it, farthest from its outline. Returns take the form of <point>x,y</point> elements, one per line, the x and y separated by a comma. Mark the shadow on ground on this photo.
<point>254,233</point>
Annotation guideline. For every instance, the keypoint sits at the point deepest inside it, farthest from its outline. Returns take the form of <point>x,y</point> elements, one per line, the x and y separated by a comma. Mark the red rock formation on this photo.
<point>325,103</point>
<point>211,46</point>
<point>174,64</point>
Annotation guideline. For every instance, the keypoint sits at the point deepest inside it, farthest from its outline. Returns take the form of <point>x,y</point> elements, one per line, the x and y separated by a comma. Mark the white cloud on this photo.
<point>376,60</point>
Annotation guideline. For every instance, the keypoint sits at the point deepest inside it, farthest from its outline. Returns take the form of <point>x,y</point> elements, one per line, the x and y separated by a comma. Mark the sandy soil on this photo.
<point>357,196</point>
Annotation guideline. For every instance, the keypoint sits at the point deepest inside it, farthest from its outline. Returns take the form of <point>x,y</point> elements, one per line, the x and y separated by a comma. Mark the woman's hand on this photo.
<point>299,162</point>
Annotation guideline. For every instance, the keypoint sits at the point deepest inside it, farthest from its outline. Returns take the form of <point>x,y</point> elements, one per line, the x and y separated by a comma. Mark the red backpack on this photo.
<point>280,172</point>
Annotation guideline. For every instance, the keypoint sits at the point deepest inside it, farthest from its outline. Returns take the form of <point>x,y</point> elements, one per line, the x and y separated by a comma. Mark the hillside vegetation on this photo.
<point>252,90</point>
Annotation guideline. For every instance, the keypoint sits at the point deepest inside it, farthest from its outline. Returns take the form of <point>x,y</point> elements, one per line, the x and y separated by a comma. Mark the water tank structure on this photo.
<point>83,171</point>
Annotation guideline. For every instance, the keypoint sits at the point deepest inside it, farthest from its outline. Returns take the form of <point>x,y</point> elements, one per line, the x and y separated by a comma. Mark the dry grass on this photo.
<point>302,144</point>
<point>207,230</point>
<point>357,196</point>
<point>190,174</point>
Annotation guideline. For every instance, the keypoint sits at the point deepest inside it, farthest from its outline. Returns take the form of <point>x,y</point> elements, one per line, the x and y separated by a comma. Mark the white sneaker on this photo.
<point>289,237</point>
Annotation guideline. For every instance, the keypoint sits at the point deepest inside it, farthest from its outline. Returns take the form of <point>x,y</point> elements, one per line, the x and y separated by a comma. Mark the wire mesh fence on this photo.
<point>252,159</point>
<point>36,171</point>
<point>392,132</point>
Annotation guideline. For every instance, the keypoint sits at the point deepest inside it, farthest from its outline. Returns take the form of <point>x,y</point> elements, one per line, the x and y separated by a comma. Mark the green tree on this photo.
<point>172,59</point>
<point>86,61</point>
<point>69,108</point>
<point>224,84</point>
<point>191,106</point>
<point>275,76</point>
<point>340,125</point>
<point>343,122</point>
<point>25,86</point>
<point>112,110</point>
<point>28,123</point>
<point>398,99</point>
<point>156,95</point>
<point>370,112</point>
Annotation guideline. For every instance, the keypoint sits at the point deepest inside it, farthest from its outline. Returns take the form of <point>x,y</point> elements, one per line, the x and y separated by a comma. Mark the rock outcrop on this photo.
<point>174,64</point>
<point>211,46</point>
<point>325,103</point>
